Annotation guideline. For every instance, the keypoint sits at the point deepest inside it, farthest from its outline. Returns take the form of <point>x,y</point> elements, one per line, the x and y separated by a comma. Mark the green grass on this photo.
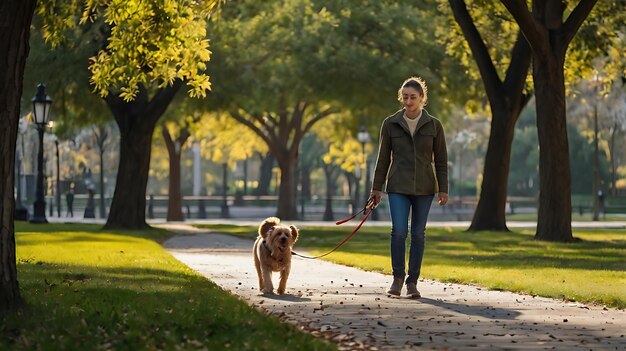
<point>592,271</point>
<point>586,217</point>
<point>89,289</point>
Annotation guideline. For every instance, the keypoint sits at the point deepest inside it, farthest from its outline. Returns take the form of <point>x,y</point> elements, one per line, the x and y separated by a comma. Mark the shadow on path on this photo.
<point>477,310</point>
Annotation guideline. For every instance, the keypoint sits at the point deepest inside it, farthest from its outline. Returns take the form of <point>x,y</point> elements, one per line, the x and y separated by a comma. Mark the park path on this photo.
<point>349,307</point>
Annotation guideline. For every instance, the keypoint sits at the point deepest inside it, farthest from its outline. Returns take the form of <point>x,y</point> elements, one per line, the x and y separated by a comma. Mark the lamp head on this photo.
<point>363,136</point>
<point>41,105</point>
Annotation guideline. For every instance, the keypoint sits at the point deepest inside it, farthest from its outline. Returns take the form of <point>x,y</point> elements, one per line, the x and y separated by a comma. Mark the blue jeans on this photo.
<point>400,205</point>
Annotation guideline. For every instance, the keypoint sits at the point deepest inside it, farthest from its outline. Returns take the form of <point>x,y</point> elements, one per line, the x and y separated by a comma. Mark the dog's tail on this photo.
<point>267,224</point>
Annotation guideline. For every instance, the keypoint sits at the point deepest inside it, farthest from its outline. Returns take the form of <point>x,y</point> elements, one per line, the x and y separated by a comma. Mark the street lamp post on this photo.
<point>41,109</point>
<point>364,137</point>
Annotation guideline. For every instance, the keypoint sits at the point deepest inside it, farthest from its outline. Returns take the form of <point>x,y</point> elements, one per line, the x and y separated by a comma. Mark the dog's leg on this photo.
<point>268,287</point>
<point>284,274</point>
<point>257,264</point>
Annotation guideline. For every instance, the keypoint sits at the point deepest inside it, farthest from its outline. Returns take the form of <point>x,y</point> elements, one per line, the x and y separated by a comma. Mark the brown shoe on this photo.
<point>411,291</point>
<point>396,287</point>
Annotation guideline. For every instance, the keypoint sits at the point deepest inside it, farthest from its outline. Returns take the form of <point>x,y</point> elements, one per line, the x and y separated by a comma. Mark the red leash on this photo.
<point>367,211</point>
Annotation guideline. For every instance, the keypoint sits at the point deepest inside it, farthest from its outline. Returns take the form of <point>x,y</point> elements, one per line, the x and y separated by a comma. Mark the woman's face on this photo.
<point>411,99</point>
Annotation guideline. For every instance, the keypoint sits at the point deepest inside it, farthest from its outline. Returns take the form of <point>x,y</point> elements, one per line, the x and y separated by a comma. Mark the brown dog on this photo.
<point>272,253</point>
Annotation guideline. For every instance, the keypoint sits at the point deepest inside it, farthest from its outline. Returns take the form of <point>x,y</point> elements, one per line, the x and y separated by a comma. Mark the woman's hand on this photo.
<point>377,196</point>
<point>443,198</point>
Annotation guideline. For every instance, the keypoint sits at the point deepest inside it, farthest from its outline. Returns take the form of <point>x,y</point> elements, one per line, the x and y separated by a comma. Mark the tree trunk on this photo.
<point>101,136</point>
<point>306,183</point>
<point>596,168</point>
<point>490,211</point>
<point>265,177</point>
<point>175,201</point>
<point>174,151</point>
<point>286,208</point>
<point>330,191</point>
<point>351,188</point>
<point>103,210</point>
<point>613,163</point>
<point>136,121</point>
<point>506,99</point>
<point>555,203</point>
<point>15,20</point>
<point>549,38</point>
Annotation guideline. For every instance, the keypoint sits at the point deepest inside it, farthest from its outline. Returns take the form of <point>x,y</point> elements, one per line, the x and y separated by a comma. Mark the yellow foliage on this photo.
<point>224,140</point>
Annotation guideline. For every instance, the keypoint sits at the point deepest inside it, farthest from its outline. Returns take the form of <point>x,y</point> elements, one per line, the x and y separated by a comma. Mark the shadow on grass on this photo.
<point>490,249</point>
<point>78,307</point>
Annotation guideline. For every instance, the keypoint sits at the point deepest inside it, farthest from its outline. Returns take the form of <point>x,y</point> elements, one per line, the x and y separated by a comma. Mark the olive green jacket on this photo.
<point>406,162</point>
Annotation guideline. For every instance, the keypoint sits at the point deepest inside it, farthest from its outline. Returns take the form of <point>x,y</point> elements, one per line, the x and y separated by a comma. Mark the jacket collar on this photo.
<point>398,118</point>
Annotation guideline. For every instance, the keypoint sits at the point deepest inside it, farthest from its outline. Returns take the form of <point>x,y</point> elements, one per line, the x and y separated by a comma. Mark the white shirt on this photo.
<point>412,123</point>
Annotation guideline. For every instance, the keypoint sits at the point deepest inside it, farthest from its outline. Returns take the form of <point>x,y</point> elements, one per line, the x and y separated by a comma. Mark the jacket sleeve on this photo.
<point>441,159</point>
<point>384,158</point>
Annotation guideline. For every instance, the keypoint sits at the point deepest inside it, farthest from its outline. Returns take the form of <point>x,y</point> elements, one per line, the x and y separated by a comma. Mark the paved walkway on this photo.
<point>349,307</point>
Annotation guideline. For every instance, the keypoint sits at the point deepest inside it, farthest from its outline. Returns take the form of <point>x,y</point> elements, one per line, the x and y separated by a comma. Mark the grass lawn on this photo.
<point>89,289</point>
<point>587,217</point>
<point>593,270</point>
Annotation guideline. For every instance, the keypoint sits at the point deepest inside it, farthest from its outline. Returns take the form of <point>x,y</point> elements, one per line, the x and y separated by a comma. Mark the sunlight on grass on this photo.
<point>593,270</point>
<point>90,289</point>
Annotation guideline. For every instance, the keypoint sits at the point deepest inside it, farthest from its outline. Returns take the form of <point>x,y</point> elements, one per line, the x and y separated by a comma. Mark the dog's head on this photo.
<point>278,237</point>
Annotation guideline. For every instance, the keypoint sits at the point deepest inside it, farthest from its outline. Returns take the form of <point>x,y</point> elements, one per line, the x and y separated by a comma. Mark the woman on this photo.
<point>411,141</point>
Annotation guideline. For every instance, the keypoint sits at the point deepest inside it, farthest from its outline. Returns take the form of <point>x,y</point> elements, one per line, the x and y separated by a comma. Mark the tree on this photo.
<point>144,49</point>
<point>265,174</point>
<point>139,59</point>
<point>284,66</point>
<point>343,154</point>
<point>549,32</point>
<point>16,17</point>
<point>147,72</point>
<point>226,142</point>
<point>101,133</point>
<point>506,98</point>
<point>174,150</point>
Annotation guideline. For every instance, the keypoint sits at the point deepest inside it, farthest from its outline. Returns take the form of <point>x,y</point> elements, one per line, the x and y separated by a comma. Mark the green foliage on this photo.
<point>498,32</point>
<point>64,71</point>
<point>593,270</point>
<point>149,43</point>
<point>524,173</point>
<point>89,289</point>
<point>497,29</point>
<point>601,37</point>
<point>268,57</point>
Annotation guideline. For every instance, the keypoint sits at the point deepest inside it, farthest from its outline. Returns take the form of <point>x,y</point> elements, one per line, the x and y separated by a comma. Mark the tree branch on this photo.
<point>169,143</point>
<point>307,127</point>
<point>267,137</point>
<point>576,19</point>
<point>519,10</point>
<point>517,71</point>
<point>479,50</point>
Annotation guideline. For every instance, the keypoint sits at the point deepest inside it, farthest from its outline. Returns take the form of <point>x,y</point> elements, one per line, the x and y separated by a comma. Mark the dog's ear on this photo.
<point>268,224</point>
<point>294,233</point>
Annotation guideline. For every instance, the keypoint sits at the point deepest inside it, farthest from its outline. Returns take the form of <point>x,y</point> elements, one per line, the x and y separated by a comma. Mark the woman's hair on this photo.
<point>418,84</point>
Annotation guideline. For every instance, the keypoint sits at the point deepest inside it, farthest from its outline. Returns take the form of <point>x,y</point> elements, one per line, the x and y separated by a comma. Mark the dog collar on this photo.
<point>267,248</point>
<point>270,250</point>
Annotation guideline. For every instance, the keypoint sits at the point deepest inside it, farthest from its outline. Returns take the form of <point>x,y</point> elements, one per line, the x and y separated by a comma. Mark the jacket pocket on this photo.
<point>427,129</point>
